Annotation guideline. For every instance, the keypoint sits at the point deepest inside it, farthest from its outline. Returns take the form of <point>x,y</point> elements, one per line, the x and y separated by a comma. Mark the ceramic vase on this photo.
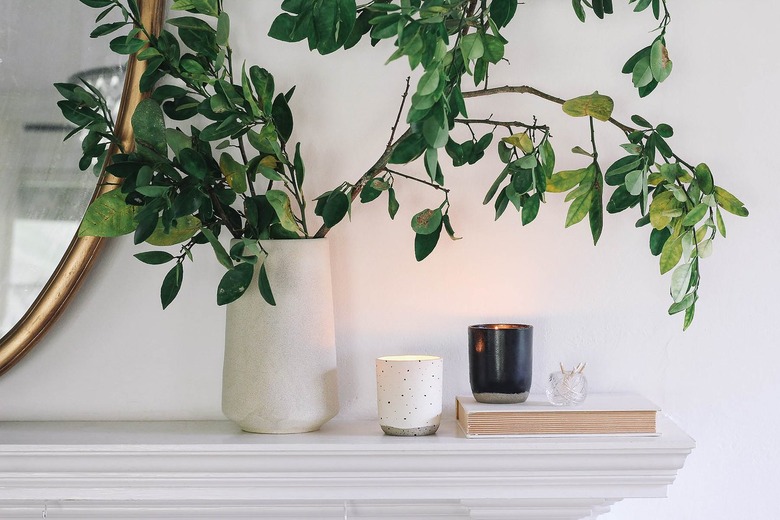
<point>279,373</point>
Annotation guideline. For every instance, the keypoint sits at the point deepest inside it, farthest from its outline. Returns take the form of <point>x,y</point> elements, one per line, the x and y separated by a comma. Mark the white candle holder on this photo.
<point>409,394</point>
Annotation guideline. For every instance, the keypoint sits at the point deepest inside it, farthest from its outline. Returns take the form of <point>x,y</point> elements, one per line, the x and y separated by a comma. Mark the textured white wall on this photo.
<point>115,355</point>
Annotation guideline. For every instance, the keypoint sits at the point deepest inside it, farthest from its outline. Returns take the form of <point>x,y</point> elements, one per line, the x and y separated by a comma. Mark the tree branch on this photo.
<point>507,124</point>
<point>421,181</point>
<point>372,172</point>
<point>525,89</point>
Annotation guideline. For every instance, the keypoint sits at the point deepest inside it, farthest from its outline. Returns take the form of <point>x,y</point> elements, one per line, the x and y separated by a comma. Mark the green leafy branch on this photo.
<point>182,186</point>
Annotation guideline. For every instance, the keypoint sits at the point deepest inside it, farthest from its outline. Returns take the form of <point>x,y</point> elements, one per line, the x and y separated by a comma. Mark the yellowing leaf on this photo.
<point>663,208</point>
<point>234,172</point>
<point>521,141</point>
<point>269,161</point>
<point>565,180</point>
<point>579,208</point>
<point>595,105</point>
<point>108,216</point>
<point>183,229</point>
<point>730,203</point>
<point>670,254</point>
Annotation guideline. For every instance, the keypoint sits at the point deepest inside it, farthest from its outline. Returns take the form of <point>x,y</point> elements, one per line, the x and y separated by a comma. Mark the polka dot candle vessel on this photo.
<point>409,394</point>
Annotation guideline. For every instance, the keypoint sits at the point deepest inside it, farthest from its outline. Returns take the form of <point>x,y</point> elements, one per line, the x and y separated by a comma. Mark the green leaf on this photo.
<point>547,157</point>
<point>409,149</point>
<point>681,281</point>
<point>234,172</point>
<point>96,3</point>
<point>578,10</point>
<point>658,238</point>
<point>336,208</point>
<point>193,163</point>
<point>494,48</point>
<point>522,180</point>
<point>579,208</point>
<point>730,203</point>
<point>107,28</point>
<point>219,251</point>
<point>665,130</point>
<point>642,75</point>
<point>686,303</point>
<point>689,312</point>
<point>719,222</point>
<point>149,130</point>
<point>436,134</point>
<point>183,228</point>
<point>448,227</point>
<point>616,174</point>
<point>171,284</point>
<point>641,121</point>
<point>594,105</point>
<point>207,7</point>
<point>704,179</point>
<point>280,202</point>
<point>282,116</point>
<point>265,286</point>
<point>429,82</point>
<point>530,209</point>
<point>502,11</point>
<point>596,212</point>
<point>660,64</point>
<point>621,200</point>
<point>425,244</point>
<point>392,203</point>
<point>565,180</point>
<point>223,29</point>
<point>108,216</point>
<point>154,257</point>
<point>695,215</point>
<point>427,221</point>
<point>234,283</point>
<point>634,181</point>
<point>670,254</point>
<point>125,45</point>
<point>472,47</point>
<point>496,184</point>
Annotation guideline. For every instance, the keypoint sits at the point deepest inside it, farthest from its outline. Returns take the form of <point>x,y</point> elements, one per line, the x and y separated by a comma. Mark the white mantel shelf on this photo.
<point>347,470</point>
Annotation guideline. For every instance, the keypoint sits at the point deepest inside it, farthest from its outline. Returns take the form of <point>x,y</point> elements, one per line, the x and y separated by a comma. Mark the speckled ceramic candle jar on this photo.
<point>409,394</point>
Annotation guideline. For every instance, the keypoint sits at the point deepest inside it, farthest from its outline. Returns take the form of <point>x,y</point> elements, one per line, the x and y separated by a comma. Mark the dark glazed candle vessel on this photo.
<point>500,362</point>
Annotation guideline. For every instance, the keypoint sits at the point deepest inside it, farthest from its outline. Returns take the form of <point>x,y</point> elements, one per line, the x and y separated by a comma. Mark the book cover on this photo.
<point>600,414</point>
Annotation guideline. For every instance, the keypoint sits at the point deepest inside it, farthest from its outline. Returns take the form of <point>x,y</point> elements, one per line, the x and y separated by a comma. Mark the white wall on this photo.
<point>115,355</point>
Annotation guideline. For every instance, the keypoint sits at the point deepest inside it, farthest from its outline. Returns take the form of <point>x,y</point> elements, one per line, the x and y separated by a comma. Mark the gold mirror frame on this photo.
<point>82,252</point>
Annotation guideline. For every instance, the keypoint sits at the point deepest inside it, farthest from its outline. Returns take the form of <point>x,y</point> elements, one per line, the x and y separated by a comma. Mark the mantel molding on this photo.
<point>348,469</point>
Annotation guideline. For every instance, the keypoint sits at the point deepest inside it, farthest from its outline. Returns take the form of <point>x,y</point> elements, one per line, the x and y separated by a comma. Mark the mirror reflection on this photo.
<point>43,195</point>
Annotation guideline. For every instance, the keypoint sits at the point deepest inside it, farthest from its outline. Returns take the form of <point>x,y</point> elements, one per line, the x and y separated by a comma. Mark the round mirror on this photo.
<point>43,195</point>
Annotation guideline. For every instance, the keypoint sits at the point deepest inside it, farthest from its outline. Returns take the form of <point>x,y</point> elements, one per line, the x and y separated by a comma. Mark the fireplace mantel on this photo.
<point>347,470</point>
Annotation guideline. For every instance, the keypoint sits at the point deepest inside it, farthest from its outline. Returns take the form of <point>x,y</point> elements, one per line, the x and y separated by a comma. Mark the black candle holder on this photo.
<point>500,362</point>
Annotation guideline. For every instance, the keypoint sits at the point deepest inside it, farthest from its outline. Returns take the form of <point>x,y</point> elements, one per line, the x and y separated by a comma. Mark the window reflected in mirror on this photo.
<point>43,195</point>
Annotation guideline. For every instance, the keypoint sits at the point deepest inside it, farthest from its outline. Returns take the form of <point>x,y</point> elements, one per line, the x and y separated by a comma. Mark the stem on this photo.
<point>593,140</point>
<point>525,89</point>
<point>507,124</point>
<point>411,178</point>
<point>400,112</point>
<point>372,172</point>
<point>221,212</point>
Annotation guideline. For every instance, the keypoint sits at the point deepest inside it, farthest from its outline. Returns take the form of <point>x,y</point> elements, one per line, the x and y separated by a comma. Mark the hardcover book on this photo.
<point>600,414</point>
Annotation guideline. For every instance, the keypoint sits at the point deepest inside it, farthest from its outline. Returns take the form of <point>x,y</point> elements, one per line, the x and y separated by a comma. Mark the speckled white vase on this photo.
<point>409,394</point>
<point>279,374</point>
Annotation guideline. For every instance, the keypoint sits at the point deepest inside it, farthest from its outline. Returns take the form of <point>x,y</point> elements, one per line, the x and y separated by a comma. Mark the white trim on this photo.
<point>212,470</point>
